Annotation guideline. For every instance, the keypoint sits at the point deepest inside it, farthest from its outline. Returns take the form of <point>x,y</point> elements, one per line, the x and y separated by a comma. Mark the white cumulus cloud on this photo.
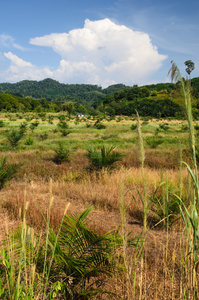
<point>20,70</point>
<point>101,52</point>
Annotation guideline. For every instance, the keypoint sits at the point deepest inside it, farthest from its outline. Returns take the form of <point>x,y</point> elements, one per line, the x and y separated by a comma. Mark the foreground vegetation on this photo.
<point>97,212</point>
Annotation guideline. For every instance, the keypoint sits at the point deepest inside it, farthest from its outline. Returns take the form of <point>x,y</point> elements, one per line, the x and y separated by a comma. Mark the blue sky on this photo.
<point>97,42</point>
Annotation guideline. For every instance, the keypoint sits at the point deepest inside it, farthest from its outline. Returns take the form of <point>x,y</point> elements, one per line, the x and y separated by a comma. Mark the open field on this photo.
<point>160,265</point>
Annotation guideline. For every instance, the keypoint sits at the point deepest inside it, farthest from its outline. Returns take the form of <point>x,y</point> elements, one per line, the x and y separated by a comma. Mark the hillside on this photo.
<point>52,90</point>
<point>157,100</point>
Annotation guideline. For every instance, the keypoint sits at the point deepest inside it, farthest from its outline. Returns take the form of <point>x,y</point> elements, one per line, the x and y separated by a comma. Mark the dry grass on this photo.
<point>160,272</point>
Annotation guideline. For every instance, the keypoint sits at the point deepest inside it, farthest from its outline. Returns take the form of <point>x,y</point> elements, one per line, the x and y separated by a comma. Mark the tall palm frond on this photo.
<point>84,256</point>
<point>104,157</point>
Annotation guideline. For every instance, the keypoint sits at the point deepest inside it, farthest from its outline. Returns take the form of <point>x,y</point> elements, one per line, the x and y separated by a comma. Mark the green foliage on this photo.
<point>164,127</point>
<point>153,142</point>
<point>62,125</point>
<point>68,264</point>
<point>34,125</point>
<point>65,132</point>
<point>103,158</point>
<point>88,125</point>
<point>84,256</point>
<point>42,136</point>
<point>164,204</point>
<point>14,137</point>
<point>62,154</point>
<point>7,172</point>
<point>2,124</point>
<point>69,107</point>
<point>23,127</point>
<point>29,141</point>
<point>196,127</point>
<point>99,125</point>
<point>133,126</point>
<point>184,127</point>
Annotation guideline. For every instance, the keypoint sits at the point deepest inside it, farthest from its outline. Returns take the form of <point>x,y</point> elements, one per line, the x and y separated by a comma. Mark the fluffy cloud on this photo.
<point>21,70</point>
<point>101,52</point>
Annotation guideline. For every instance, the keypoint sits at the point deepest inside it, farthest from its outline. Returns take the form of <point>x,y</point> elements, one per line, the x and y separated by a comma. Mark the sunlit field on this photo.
<point>155,258</point>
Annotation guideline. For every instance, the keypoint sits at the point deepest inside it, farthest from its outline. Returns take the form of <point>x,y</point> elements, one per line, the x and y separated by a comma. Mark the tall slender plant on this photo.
<point>141,157</point>
<point>190,214</point>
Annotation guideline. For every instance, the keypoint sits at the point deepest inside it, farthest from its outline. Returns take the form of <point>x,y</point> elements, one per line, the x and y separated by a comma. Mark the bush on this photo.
<point>164,204</point>
<point>42,136</point>
<point>63,125</point>
<point>103,158</point>
<point>83,256</point>
<point>99,126</point>
<point>23,127</point>
<point>133,126</point>
<point>29,141</point>
<point>7,172</point>
<point>2,124</point>
<point>154,143</point>
<point>62,154</point>
<point>184,127</point>
<point>196,127</point>
<point>164,127</point>
<point>14,137</point>
<point>34,125</point>
<point>65,132</point>
<point>73,263</point>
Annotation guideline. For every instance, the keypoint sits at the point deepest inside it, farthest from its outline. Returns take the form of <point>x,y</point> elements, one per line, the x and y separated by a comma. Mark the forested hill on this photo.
<point>162,99</point>
<point>52,90</point>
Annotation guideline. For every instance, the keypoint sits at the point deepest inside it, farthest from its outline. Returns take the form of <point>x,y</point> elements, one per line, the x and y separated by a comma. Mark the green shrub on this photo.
<point>133,126</point>
<point>34,125</point>
<point>7,172</point>
<point>83,256</point>
<point>62,154</point>
<point>196,127</point>
<point>50,119</point>
<point>62,125</point>
<point>103,158</point>
<point>61,118</point>
<point>164,127</point>
<point>99,126</point>
<point>164,204</point>
<point>2,124</point>
<point>108,136</point>
<point>65,132</point>
<point>184,127</point>
<point>29,141</point>
<point>23,127</point>
<point>42,136</point>
<point>154,143</point>
<point>157,131</point>
<point>14,137</point>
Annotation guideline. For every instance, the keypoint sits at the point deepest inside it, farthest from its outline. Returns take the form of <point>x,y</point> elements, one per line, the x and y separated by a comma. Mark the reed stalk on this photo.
<point>141,157</point>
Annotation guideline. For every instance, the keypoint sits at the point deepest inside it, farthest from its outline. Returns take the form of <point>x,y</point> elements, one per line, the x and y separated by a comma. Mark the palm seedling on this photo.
<point>61,154</point>
<point>103,158</point>
<point>14,137</point>
<point>7,172</point>
<point>83,257</point>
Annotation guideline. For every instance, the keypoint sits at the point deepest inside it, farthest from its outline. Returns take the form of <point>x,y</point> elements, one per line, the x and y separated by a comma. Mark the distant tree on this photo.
<point>69,107</point>
<point>190,66</point>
